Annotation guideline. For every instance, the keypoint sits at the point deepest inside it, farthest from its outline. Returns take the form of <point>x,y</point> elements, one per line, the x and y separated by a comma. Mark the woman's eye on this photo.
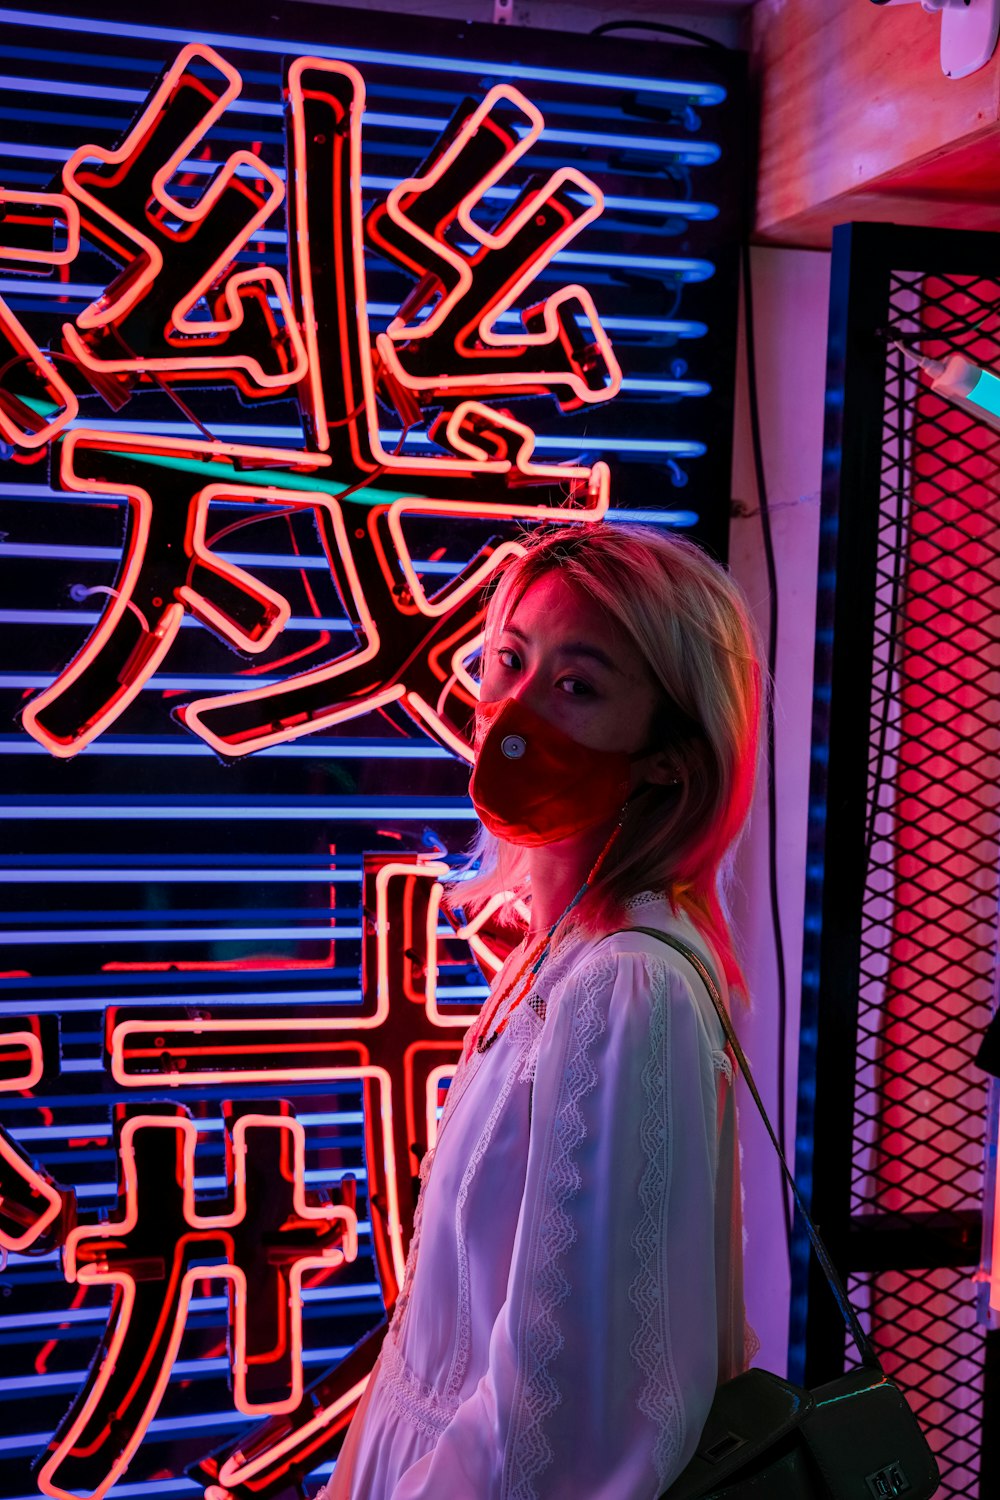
<point>503,652</point>
<point>577,689</point>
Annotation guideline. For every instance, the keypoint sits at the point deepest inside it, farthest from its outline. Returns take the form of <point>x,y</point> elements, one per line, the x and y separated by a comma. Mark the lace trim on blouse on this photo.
<point>419,1405</point>
<point>723,1063</point>
<point>650,1346</point>
<point>645,898</point>
<point>515,1034</point>
<point>524,1033</point>
<point>531,1451</point>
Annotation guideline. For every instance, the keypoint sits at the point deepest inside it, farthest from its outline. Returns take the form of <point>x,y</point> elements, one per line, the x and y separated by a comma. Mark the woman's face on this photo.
<point>570,662</point>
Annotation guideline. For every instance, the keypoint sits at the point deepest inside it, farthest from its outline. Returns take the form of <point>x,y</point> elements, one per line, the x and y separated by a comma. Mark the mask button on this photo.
<point>513,746</point>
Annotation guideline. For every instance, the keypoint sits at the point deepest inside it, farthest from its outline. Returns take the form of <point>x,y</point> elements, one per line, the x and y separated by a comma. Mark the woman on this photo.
<point>573,1292</point>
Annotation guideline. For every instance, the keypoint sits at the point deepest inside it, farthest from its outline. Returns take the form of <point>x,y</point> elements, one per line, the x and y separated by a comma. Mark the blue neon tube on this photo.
<point>691,153</point>
<point>703,93</point>
<point>102,1128</point>
<point>82,935</point>
<point>582,444</point>
<point>467,995</point>
<point>34,617</point>
<point>312,932</point>
<point>678,327</point>
<point>309,748</point>
<point>456,808</point>
<point>130,875</point>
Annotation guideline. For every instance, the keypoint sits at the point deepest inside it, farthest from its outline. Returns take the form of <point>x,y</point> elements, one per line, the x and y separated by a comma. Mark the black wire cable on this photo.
<point>772,656</point>
<point>662,28</point>
<point>772,580</point>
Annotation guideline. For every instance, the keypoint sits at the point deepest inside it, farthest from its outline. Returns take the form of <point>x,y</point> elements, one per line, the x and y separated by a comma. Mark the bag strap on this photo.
<point>847,1312</point>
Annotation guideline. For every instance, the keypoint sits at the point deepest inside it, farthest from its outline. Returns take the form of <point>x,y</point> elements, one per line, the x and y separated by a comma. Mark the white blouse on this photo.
<point>573,1291</point>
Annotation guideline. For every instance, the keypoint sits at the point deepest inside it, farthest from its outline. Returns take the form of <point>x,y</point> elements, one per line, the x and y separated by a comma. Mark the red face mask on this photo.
<point>532,784</point>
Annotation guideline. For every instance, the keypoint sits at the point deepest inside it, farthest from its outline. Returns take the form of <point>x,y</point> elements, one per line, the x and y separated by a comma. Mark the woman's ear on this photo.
<point>661,769</point>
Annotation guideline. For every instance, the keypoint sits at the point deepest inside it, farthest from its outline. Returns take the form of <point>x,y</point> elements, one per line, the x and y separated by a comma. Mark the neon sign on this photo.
<point>402,1043</point>
<point>261,1241</point>
<point>175,256</point>
<point>434,425</point>
<point>179,311</point>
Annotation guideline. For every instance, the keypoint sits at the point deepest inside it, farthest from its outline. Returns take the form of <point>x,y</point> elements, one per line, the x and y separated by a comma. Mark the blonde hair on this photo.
<point>691,623</point>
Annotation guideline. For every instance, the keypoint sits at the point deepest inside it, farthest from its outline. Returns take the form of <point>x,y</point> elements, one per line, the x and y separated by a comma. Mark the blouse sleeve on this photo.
<point>603,1358</point>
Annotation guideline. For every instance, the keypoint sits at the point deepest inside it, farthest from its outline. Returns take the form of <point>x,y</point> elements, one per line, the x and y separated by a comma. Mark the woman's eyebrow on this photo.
<point>573,648</point>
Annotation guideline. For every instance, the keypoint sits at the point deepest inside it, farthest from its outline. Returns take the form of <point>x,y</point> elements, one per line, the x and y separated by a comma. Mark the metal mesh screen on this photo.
<point>928,925</point>
<point>906,1312</point>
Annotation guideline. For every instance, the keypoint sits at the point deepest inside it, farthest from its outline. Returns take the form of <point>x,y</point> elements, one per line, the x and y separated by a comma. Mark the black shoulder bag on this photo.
<point>765,1439</point>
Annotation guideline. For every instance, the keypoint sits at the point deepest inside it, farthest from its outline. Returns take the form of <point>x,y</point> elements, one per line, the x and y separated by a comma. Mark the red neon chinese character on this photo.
<point>167,567</point>
<point>399,1041</point>
<point>410,649</point>
<point>445,341</point>
<point>456,351</point>
<point>488,463</point>
<point>177,257</point>
<point>261,1241</point>
<point>412,646</point>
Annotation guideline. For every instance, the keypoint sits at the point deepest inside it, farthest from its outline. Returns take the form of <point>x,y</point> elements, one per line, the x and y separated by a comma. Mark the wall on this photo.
<point>790,305</point>
<point>722,19</point>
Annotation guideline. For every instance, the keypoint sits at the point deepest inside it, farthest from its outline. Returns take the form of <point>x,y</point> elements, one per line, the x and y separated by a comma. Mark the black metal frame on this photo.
<point>864,260</point>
